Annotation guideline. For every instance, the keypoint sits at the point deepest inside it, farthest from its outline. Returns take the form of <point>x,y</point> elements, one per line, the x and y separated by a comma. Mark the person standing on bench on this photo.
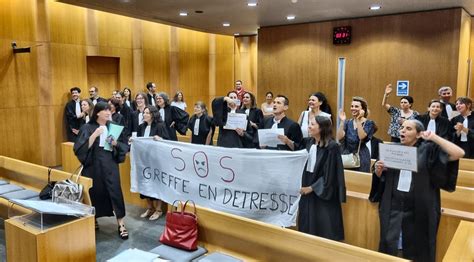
<point>323,186</point>
<point>102,165</point>
<point>410,207</point>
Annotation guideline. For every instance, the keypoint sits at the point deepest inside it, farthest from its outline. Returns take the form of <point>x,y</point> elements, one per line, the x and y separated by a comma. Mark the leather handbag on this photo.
<point>47,191</point>
<point>181,228</point>
<point>69,188</point>
<point>351,160</point>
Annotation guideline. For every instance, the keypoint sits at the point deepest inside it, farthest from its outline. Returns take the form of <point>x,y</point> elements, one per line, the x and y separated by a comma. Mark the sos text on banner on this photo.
<point>258,184</point>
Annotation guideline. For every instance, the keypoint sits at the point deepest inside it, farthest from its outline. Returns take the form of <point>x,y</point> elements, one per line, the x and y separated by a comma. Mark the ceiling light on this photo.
<point>252,4</point>
<point>291,17</point>
<point>226,24</point>
<point>183,14</point>
<point>375,7</point>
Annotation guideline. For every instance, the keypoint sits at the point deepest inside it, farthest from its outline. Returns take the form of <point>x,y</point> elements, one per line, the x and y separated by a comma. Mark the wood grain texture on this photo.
<point>464,46</point>
<point>461,247</point>
<point>421,47</point>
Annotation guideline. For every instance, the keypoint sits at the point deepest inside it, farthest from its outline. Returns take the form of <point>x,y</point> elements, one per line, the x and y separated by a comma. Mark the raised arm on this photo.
<point>388,90</point>
<point>454,151</point>
<point>340,131</point>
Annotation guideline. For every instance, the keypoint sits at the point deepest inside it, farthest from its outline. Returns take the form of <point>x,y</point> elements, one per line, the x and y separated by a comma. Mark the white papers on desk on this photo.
<point>133,254</point>
<point>236,120</point>
<point>399,157</point>
<point>269,137</point>
<point>49,207</point>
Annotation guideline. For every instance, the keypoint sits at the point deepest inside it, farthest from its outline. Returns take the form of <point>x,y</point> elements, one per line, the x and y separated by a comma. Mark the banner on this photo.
<point>259,184</point>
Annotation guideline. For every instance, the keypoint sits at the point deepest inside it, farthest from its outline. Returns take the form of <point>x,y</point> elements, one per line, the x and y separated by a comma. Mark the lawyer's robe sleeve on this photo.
<point>180,118</point>
<point>81,146</point>
<point>443,173</point>
<point>332,181</point>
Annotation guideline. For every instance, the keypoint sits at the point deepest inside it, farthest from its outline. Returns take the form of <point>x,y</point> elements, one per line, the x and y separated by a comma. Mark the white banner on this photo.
<point>257,184</point>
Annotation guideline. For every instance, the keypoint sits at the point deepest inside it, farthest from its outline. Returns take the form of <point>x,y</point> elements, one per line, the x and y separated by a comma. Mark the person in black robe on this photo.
<point>116,116</point>
<point>254,116</point>
<point>141,102</point>
<point>410,202</point>
<point>152,126</point>
<point>102,165</point>
<point>151,95</point>
<point>292,131</point>
<point>94,95</point>
<point>72,113</point>
<point>463,125</point>
<point>126,112</point>
<point>174,117</point>
<point>445,93</point>
<point>442,125</point>
<point>323,186</point>
<point>203,133</point>
<point>221,106</point>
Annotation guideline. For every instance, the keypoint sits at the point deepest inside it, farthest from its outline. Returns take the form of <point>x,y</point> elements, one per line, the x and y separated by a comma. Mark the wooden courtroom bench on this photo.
<point>33,177</point>
<point>461,247</point>
<point>253,240</point>
<point>465,178</point>
<point>466,164</point>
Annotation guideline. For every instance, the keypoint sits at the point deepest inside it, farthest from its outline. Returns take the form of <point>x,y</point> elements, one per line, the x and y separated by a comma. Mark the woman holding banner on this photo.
<point>323,186</point>
<point>152,126</point>
<point>101,165</point>
<point>410,206</point>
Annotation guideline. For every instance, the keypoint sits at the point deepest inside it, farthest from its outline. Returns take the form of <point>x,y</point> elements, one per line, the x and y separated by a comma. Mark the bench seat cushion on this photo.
<point>178,255</point>
<point>9,188</point>
<point>217,257</point>
<point>21,194</point>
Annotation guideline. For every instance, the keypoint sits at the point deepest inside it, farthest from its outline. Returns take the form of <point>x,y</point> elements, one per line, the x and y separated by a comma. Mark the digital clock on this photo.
<point>342,35</point>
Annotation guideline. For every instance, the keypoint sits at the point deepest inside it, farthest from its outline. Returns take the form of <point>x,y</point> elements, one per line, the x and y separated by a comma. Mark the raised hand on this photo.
<point>388,89</point>
<point>342,115</point>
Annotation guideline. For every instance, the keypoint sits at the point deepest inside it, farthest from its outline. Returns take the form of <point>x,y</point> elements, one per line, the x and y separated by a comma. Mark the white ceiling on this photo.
<point>246,20</point>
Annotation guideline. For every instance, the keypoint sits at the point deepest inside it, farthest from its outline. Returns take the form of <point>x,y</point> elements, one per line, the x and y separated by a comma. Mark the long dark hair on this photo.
<point>325,130</point>
<point>325,107</point>
<point>100,106</point>
<point>129,98</point>
<point>175,98</point>
<point>155,113</point>
<point>253,104</point>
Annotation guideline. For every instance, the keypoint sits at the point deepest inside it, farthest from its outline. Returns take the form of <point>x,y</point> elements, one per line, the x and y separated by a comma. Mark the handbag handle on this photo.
<point>186,203</point>
<point>77,172</point>
<point>360,141</point>
<point>49,175</point>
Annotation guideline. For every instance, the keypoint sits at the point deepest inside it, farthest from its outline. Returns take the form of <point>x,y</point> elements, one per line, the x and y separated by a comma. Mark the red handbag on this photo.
<point>181,228</point>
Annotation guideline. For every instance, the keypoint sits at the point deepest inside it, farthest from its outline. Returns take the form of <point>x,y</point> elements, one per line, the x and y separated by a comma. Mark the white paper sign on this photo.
<point>399,157</point>
<point>257,184</point>
<point>269,137</point>
<point>236,120</point>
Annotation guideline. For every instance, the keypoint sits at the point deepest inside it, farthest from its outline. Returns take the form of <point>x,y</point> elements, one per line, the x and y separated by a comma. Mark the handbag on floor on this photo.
<point>351,160</point>
<point>181,228</point>
<point>47,191</point>
<point>69,188</point>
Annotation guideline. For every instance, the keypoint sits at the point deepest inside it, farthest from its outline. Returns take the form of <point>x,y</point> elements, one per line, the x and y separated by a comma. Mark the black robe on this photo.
<point>156,129</point>
<point>119,120</point>
<point>226,137</point>
<point>469,145</point>
<point>443,126</point>
<point>102,166</point>
<point>180,119</point>
<point>206,125</point>
<point>134,123</point>
<point>126,112</point>
<point>415,213</point>
<point>256,116</point>
<point>320,212</point>
<point>71,120</point>
<point>291,128</point>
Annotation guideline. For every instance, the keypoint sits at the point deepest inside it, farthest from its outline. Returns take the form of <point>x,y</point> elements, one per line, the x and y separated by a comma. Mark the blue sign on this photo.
<point>403,87</point>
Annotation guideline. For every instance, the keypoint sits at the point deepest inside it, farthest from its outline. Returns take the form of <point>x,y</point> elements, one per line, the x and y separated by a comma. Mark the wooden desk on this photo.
<point>461,247</point>
<point>71,241</point>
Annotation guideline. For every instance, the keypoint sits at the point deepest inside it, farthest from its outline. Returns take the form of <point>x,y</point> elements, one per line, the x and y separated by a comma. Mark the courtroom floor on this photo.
<point>144,234</point>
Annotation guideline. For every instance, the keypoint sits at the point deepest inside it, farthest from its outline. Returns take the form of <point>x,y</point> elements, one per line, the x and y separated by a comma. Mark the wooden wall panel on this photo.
<point>224,64</point>
<point>302,58</point>
<point>155,69</point>
<point>193,66</point>
<point>67,23</point>
<point>463,60</point>
<point>17,20</point>
<point>114,30</point>
<point>471,56</point>
<point>155,36</point>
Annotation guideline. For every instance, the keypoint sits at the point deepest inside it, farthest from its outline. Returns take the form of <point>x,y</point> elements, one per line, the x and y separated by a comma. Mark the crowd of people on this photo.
<point>445,131</point>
